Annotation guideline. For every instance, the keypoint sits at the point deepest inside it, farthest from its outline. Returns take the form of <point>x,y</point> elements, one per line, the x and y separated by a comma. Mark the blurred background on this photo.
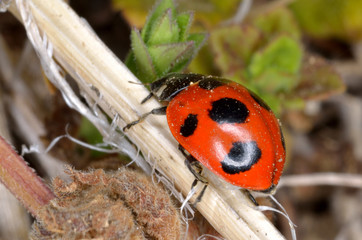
<point>303,57</point>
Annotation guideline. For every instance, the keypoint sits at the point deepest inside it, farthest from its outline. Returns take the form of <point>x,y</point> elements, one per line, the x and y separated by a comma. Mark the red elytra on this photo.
<point>225,127</point>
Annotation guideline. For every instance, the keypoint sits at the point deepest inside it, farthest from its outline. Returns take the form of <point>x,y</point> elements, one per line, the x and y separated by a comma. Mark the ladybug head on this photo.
<point>167,87</point>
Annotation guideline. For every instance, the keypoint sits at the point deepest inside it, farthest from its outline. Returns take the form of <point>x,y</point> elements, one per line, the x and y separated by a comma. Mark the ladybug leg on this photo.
<point>252,199</point>
<point>198,199</point>
<point>193,165</point>
<point>196,169</point>
<point>156,111</point>
<point>147,98</point>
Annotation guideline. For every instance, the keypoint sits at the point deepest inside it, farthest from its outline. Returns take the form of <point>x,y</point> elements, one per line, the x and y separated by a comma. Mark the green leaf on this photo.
<point>184,21</point>
<point>198,38</point>
<point>164,30</point>
<point>145,68</point>
<point>282,55</point>
<point>170,55</point>
<point>158,10</point>
<point>280,20</point>
<point>233,47</point>
<point>89,132</point>
<point>131,62</point>
<point>91,135</point>
<point>183,61</point>
<point>165,44</point>
<point>274,81</point>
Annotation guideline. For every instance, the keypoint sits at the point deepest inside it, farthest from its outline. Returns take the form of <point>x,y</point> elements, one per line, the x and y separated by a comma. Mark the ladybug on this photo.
<point>224,126</point>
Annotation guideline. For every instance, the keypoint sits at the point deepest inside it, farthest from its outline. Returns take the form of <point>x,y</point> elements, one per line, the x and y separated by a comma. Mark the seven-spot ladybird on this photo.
<point>224,126</point>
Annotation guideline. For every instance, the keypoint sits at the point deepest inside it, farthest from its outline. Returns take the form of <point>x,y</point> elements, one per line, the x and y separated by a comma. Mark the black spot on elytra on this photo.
<point>242,156</point>
<point>210,84</point>
<point>189,126</point>
<point>259,101</point>
<point>228,110</point>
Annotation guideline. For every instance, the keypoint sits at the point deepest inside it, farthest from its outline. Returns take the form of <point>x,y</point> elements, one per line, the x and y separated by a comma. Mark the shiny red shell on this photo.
<point>229,130</point>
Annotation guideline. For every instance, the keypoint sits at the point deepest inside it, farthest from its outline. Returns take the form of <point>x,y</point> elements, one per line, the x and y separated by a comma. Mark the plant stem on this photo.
<point>21,180</point>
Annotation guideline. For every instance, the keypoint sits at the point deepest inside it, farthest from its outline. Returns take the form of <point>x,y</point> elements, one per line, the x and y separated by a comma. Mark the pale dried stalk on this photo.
<point>326,179</point>
<point>83,55</point>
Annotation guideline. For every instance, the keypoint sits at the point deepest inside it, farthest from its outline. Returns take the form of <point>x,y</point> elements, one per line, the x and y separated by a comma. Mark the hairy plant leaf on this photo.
<point>158,10</point>
<point>169,55</point>
<point>145,68</point>
<point>184,21</point>
<point>164,44</point>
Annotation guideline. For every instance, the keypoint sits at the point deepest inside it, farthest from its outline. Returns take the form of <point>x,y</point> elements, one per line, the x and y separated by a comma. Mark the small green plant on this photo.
<point>265,52</point>
<point>164,45</point>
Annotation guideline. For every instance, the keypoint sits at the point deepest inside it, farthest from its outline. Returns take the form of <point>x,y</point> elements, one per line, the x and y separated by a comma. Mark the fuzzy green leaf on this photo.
<point>164,30</point>
<point>145,68</point>
<point>165,44</point>
<point>198,38</point>
<point>183,61</point>
<point>167,56</point>
<point>184,21</point>
<point>158,10</point>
